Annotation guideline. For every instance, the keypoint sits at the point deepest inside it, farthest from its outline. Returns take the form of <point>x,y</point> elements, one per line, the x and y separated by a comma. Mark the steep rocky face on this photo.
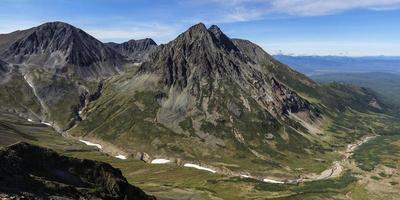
<point>60,64</point>
<point>4,68</point>
<point>135,50</point>
<point>62,48</point>
<point>203,55</point>
<point>38,173</point>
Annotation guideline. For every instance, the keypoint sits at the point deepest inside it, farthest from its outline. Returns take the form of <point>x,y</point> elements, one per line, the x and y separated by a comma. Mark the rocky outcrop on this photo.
<point>32,172</point>
<point>4,68</point>
<point>62,48</point>
<point>135,50</point>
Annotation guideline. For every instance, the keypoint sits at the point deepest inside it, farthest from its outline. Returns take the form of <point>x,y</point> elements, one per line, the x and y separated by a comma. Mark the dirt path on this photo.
<point>335,170</point>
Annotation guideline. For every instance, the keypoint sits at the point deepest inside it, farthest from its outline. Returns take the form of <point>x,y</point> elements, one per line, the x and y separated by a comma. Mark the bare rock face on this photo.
<point>135,50</point>
<point>62,48</point>
<point>61,64</point>
<point>4,68</point>
<point>28,171</point>
<point>201,55</point>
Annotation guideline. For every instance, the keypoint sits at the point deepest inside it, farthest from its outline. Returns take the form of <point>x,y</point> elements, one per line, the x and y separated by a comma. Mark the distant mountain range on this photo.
<point>313,65</point>
<point>380,73</point>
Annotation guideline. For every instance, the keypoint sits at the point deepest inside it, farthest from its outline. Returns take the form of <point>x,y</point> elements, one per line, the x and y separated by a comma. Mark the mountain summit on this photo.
<point>61,47</point>
<point>135,50</point>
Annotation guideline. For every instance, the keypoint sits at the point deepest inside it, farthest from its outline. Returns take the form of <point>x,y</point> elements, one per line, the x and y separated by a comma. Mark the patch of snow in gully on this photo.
<point>122,157</point>
<point>91,144</point>
<point>199,167</point>
<point>160,161</point>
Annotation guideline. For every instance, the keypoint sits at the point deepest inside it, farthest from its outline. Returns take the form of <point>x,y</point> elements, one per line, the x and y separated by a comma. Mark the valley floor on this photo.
<point>369,170</point>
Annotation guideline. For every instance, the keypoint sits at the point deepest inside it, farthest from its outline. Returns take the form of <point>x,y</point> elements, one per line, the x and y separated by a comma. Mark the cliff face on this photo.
<point>4,68</point>
<point>35,172</point>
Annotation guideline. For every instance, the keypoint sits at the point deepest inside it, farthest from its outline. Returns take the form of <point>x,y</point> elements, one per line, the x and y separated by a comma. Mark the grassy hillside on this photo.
<point>385,84</point>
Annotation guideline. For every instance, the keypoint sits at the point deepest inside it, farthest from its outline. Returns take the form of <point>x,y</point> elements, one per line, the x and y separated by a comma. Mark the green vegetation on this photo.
<point>14,129</point>
<point>384,150</point>
<point>15,94</point>
<point>386,84</point>
<point>170,180</point>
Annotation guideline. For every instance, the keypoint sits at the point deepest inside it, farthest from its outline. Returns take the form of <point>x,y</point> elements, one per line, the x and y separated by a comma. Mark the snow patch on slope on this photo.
<point>160,161</point>
<point>272,181</point>
<point>46,123</point>
<point>91,144</point>
<point>122,157</point>
<point>199,167</point>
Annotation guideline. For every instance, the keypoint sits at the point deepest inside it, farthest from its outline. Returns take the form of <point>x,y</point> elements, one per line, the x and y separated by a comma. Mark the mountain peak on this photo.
<point>199,28</point>
<point>147,41</point>
<point>222,39</point>
<point>77,52</point>
<point>215,29</point>
<point>136,50</point>
<point>56,24</point>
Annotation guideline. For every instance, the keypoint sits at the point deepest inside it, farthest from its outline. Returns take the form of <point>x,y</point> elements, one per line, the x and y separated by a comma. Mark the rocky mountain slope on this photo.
<point>28,171</point>
<point>61,65</point>
<point>4,68</point>
<point>135,50</point>
<point>222,103</point>
<point>61,48</point>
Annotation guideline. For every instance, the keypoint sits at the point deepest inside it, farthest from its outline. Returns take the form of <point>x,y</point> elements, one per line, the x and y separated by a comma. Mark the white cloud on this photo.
<point>324,7</point>
<point>248,10</point>
<point>346,48</point>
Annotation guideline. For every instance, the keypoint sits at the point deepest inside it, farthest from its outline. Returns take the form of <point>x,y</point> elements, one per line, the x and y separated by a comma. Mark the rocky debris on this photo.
<point>375,104</point>
<point>5,69</point>
<point>143,156</point>
<point>135,50</point>
<point>269,136</point>
<point>62,48</point>
<point>233,108</point>
<point>33,172</point>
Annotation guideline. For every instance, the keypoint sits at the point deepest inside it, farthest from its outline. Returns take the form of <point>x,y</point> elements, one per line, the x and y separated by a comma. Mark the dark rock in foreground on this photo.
<point>32,172</point>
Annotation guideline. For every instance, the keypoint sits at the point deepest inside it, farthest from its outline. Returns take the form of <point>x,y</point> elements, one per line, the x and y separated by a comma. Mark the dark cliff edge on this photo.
<point>33,172</point>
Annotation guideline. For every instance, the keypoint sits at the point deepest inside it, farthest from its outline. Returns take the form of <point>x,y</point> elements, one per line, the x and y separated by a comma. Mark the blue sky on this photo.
<point>302,27</point>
